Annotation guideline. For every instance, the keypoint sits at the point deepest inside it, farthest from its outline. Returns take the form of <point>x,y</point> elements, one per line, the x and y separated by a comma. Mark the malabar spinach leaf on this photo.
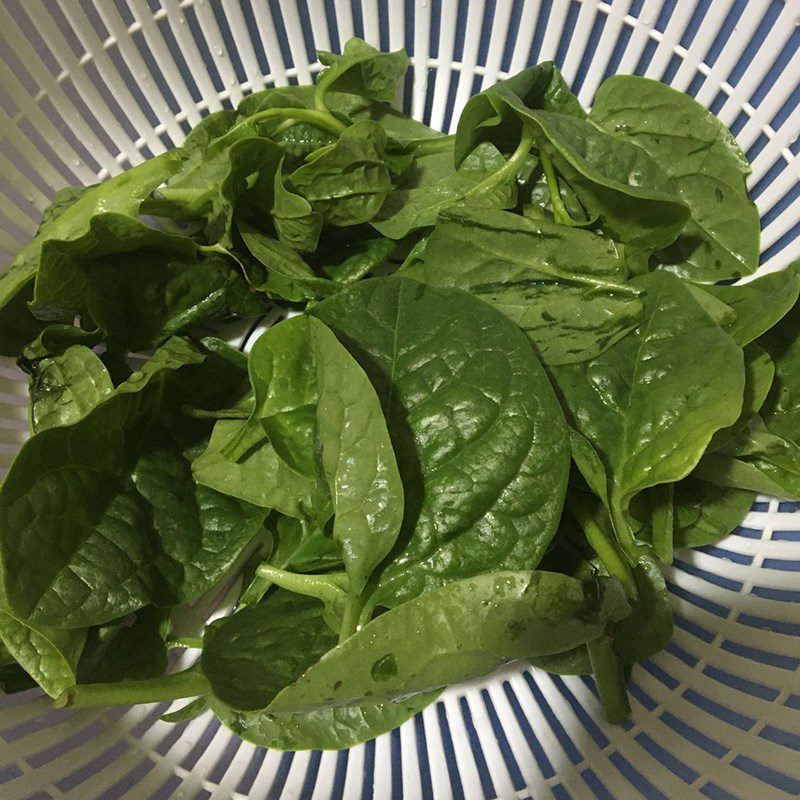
<point>631,402</point>
<point>706,164</point>
<point>48,654</point>
<point>565,288</point>
<point>478,435</point>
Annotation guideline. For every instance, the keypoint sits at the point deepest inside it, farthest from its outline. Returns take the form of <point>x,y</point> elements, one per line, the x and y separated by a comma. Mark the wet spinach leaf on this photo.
<point>474,424</point>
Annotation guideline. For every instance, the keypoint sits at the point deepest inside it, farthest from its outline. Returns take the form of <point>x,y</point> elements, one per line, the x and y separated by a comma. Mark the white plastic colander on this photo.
<point>90,87</point>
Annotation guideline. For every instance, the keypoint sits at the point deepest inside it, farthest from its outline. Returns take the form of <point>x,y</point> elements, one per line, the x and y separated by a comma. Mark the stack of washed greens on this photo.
<point>516,376</point>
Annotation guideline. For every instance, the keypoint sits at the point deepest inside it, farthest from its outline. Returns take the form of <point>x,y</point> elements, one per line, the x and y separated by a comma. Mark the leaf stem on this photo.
<point>350,618</point>
<point>663,521</point>
<point>328,588</point>
<point>623,532</point>
<point>606,551</point>
<point>189,683</point>
<point>322,118</point>
<point>509,170</point>
<point>610,679</point>
<point>425,147</point>
<point>560,213</point>
<point>222,413</point>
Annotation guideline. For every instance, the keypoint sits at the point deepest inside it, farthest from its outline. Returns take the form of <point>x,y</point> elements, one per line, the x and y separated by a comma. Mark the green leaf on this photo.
<point>317,406</point>
<point>66,387</point>
<point>213,178</point>
<point>565,288</point>
<point>620,185</point>
<point>758,460</point>
<point>449,635</point>
<point>345,258</point>
<point>121,195</point>
<point>296,223</point>
<point>706,165</point>
<point>129,649</point>
<point>781,410</point>
<point>362,70</point>
<point>488,116</point>
<point>139,299</point>
<point>112,501</point>
<point>416,206</point>
<point>249,657</point>
<point>474,424</point>
<point>260,477</point>
<point>48,655</point>
<point>631,403</point>
<point>333,728</point>
<point>284,275</point>
<point>17,325</point>
<point>348,181</point>
<point>139,284</point>
<point>759,372</point>
<point>209,128</point>
<point>760,304</point>
<point>706,513</point>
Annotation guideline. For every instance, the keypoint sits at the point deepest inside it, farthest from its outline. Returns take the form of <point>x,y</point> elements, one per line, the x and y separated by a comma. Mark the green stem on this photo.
<point>323,82</point>
<point>189,683</point>
<point>322,118</point>
<point>610,679</point>
<point>328,588</point>
<point>606,551</point>
<point>425,147</point>
<point>663,521</point>
<point>222,413</point>
<point>560,213</point>
<point>509,170</point>
<point>622,529</point>
<point>350,618</point>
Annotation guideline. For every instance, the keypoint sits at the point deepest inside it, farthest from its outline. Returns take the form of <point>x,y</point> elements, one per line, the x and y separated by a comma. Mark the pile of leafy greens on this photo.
<point>516,375</point>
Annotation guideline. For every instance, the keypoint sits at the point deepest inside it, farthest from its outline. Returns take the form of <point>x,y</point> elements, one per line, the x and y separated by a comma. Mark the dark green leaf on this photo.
<point>417,206</point>
<point>260,477</point>
<point>451,634</point>
<point>760,304</point>
<point>759,372</point>
<point>111,499</point>
<point>332,728</point>
<point>121,195</point>
<point>706,164</point>
<point>348,181</point>
<point>631,403</point>
<point>130,649</point>
<point>361,70</point>
<point>249,657</point>
<point>705,513</point>
<point>488,116</point>
<point>296,223</point>
<point>474,424</point>
<point>214,176</point>
<point>66,387</point>
<point>566,288</point>
<point>320,410</point>
<point>285,275</point>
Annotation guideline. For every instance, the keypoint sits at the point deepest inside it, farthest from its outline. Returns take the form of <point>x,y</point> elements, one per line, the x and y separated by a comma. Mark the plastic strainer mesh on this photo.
<point>88,87</point>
